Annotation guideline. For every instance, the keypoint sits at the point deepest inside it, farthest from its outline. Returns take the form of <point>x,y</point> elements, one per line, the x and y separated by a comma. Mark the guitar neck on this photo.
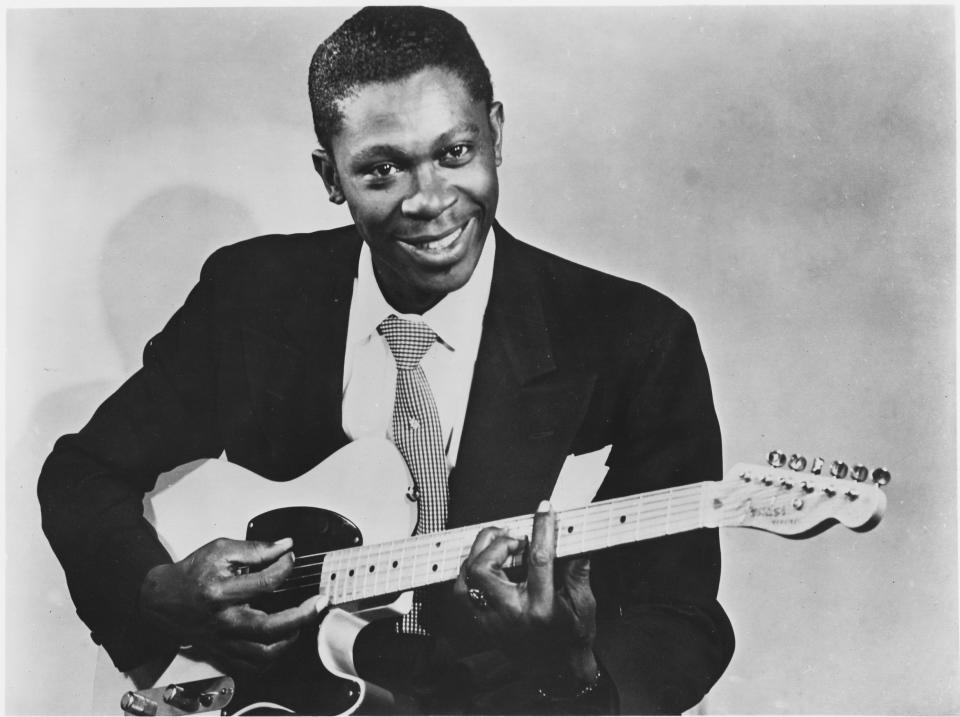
<point>370,571</point>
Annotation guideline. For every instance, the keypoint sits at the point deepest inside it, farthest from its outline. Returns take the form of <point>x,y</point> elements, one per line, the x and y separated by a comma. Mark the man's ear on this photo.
<point>496,130</point>
<point>323,163</point>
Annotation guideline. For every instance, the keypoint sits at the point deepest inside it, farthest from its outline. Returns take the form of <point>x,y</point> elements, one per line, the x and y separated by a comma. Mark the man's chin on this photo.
<point>437,287</point>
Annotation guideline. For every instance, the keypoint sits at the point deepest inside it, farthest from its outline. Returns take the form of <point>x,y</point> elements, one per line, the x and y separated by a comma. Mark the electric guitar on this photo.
<point>372,555</point>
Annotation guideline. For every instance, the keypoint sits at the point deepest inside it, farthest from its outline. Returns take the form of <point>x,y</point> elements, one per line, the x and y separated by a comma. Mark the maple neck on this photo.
<point>369,571</point>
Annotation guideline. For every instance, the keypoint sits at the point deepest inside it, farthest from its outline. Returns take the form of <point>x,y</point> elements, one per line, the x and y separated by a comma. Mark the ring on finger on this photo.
<point>478,598</point>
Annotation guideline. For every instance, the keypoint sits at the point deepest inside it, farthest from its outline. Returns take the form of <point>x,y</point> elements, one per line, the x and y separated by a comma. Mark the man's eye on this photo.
<point>457,152</point>
<point>384,169</point>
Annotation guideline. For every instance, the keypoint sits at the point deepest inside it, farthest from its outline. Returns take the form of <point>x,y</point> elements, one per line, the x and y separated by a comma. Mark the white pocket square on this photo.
<point>580,479</point>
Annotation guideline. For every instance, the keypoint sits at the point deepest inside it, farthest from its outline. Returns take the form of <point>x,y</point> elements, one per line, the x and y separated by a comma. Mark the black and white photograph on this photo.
<point>481,360</point>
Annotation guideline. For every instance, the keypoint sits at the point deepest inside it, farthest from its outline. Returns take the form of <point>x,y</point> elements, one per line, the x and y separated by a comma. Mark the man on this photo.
<point>290,347</point>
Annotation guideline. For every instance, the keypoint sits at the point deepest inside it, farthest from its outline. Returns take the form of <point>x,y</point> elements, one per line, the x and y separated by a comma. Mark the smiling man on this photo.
<point>485,361</point>
<point>415,160</point>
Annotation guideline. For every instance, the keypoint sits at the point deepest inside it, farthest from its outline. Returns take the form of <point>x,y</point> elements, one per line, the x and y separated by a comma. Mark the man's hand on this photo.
<point>203,601</point>
<point>547,626</point>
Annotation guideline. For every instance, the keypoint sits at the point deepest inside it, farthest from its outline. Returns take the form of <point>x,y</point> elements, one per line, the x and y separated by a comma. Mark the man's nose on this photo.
<point>430,194</point>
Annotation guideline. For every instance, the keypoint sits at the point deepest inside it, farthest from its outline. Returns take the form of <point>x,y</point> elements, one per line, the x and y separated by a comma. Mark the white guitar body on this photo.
<point>366,481</point>
<point>359,547</point>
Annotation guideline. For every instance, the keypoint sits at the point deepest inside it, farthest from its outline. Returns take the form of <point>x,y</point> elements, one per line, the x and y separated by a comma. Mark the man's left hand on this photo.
<point>547,626</point>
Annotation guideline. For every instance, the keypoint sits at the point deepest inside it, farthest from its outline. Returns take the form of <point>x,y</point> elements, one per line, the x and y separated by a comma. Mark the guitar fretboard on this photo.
<point>369,571</point>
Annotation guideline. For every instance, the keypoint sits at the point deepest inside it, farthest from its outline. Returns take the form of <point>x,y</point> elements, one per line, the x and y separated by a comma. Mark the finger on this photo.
<point>255,552</point>
<point>486,571</point>
<point>483,539</point>
<point>480,543</point>
<point>493,557</point>
<point>245,622</point>
<point>543,549</point>
<point>243,588</point>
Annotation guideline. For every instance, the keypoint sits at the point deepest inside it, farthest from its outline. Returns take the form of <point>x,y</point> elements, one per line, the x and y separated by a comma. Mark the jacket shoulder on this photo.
<point>596,297</point>
<point>272,252</point>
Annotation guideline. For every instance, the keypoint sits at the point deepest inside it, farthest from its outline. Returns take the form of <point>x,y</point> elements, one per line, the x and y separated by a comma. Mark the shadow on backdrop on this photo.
<point>149,261</point>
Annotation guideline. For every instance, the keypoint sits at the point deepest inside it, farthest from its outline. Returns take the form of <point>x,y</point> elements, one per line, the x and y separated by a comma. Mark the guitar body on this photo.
<point>360,546</point>
<point>363,490</point>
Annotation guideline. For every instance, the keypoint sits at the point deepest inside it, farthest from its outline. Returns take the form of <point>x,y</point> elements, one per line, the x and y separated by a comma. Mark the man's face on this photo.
<point>416,161</point>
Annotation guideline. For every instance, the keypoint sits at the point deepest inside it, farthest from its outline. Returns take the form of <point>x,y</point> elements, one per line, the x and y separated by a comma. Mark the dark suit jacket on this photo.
<point>570,360</point>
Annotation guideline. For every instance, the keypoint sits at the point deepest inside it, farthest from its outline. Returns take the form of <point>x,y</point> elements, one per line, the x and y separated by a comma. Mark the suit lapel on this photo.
<point>296,379</point>
<point>526,401</point>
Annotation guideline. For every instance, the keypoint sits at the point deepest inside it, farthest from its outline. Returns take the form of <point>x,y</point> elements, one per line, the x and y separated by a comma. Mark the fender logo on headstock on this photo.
<point>767,511</point>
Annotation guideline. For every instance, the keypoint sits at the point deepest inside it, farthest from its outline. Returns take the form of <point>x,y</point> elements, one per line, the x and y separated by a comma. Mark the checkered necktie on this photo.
<point>417,434</point>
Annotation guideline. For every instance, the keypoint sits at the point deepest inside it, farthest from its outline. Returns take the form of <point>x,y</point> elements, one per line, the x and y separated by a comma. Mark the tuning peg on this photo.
<point>881,476</point>
<point>817,466</point>
<point>797,462</point>
<point>859,473</point>
<point>838,469</point>
<point>776,458</point>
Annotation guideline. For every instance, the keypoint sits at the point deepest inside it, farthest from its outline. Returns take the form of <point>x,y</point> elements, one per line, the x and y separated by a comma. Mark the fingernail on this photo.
<point>285,543</point>
<point>321,604</point>
<point>544,506</point>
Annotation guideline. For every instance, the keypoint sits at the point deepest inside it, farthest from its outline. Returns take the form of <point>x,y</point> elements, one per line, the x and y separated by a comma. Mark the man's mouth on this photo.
<point>439,245</point>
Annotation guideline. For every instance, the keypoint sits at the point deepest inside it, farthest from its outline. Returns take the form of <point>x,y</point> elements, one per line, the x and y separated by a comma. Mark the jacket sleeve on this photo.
<point>91,486</point>
<point>661,632</point>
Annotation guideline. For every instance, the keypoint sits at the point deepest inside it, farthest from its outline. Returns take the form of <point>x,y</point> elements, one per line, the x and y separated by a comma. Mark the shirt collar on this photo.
<point>457,318</point>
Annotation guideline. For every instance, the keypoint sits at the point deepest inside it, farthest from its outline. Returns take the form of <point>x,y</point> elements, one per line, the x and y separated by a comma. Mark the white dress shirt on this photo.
<point>369,370</point>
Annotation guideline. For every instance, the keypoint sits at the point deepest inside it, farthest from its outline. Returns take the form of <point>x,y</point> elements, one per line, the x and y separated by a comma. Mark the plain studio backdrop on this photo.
<point>786,174</point>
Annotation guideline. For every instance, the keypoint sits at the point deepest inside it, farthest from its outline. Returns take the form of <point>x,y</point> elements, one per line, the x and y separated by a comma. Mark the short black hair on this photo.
<point>385,44</point>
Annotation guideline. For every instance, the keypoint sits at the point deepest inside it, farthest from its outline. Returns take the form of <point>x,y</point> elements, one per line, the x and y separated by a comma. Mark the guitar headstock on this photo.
<point>786,498</point>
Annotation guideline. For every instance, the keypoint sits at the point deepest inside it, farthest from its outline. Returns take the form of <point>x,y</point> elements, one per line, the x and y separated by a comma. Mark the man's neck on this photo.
<point>401,296</point>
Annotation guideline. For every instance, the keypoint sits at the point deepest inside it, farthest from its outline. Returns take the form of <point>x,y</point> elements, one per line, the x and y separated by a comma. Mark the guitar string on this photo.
<point>597,532</point>
<point>599,523</point>
<point>566,520</point>
<point>663,493</point>
<point>359,585</point>
<point>596,536</point>
<point>348,592</point>
<point>348,595</point>
<point>566,516</point>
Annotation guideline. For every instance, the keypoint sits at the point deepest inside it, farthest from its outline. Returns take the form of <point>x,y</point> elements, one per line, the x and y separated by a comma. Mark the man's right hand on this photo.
<point>203,600</point>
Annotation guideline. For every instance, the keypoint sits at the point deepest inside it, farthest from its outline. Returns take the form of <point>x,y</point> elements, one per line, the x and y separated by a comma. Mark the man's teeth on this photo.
<point>441,244</point>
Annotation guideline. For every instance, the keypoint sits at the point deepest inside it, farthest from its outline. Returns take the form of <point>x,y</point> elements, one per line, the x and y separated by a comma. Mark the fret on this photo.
<point>374,569</point>
<point>609,524</point>
<point>666,522</point>
<point>329,570</point>
<point>362,574</point>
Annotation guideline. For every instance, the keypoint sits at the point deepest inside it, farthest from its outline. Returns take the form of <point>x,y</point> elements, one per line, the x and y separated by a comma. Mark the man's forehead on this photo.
<point>428,104</point>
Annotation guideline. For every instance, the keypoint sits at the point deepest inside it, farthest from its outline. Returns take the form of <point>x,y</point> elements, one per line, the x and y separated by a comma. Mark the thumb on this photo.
<point>258,552</point>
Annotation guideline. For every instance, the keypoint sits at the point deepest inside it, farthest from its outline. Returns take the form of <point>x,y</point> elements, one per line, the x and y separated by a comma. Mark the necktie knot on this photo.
<point>409,341</point>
